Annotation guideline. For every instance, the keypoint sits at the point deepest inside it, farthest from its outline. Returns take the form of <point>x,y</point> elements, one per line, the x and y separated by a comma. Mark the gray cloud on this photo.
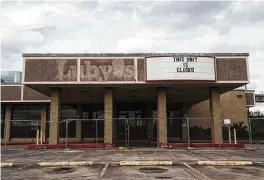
<point>133,26</point>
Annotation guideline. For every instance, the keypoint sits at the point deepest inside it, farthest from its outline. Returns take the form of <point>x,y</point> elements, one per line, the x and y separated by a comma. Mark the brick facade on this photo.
<point>232,105</point>
<point>108,116</point>
<point>54,116</point>
<point>162,116</point>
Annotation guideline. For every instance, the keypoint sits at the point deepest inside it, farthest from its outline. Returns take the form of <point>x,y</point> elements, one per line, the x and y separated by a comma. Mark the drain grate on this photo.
<point>152,170</point>
<point>63,170</point>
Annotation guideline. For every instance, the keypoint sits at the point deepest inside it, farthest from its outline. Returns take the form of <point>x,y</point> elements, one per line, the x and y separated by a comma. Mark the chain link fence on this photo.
<point>256,130</point>
<point>135,132</point>
<point>21,129</point>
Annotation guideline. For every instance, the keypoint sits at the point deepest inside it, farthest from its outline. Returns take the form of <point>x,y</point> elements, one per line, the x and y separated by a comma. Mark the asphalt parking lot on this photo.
<point>136,172</point>
<point>185,168</point>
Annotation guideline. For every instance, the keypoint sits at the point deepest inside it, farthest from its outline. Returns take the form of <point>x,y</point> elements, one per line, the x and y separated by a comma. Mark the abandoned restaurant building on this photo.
<point>115,99</point>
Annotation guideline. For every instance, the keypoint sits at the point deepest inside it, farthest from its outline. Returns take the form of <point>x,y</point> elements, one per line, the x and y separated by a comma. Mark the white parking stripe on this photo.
<point>200,175</point>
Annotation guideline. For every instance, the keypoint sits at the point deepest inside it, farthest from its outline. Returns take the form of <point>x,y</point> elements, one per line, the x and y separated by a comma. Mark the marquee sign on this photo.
<point>180,68</point>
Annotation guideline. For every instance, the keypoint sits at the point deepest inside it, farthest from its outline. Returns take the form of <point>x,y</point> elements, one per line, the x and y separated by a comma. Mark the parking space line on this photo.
<point>103,171</point>
<point>200,175</point>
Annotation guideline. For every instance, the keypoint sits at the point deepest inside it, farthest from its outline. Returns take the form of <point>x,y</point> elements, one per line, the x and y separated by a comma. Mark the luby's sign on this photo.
<point>180,68</point>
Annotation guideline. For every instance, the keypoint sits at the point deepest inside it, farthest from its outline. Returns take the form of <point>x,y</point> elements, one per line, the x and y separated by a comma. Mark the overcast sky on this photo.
<point>144,26</point>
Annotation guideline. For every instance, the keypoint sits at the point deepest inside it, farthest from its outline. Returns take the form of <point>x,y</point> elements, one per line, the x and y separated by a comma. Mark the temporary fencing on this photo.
<point>21,129</point>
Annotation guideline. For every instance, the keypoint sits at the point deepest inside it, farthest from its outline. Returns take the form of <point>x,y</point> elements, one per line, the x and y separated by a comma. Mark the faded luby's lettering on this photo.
<point>185,61</point>
<point>107,70</point>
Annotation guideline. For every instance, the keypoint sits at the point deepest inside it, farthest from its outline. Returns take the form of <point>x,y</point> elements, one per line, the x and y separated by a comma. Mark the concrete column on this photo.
<point>8,116</point>
<point>215,113</point>
<point>162,117</point>
<point>79,123</point>
<point>43,122</point>
<point>108,114</point>
<point>54,115</point>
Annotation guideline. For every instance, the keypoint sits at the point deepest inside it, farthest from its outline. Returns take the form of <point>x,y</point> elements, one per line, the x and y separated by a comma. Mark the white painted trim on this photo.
<point>22,93</point>
<point>12,84</point>
<point>248,74</point>
<point>25,101</point>
<point>83,82</point>
<point>23,70</point>
<point>254,97</point>
<point>51,82</point>
<point>135,69</point>
<point>230,57</point>
<point>232,82</point>
<point>78,70</point>
<point>125,82</point>
<point>250,91</point>
<point>83,58</point>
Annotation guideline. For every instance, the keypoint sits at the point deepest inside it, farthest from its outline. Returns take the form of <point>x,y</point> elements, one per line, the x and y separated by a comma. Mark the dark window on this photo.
<point>93,120</point>
<point>25,120</point>
<point>67,111</point>
<point>2,120</point>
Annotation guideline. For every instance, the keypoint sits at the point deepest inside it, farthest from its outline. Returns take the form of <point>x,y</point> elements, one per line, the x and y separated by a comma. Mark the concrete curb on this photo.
<point>145,163</point>
<point>73,163</point>
<point>7,165</point>
<point>225,163</point>
<point>134,163</point>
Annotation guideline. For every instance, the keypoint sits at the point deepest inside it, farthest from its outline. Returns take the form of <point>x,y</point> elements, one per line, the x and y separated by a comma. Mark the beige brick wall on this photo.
<point>8,115</point>
<point>54,116</point>
<point>108,114</point>
<point>231,107</point>
<point>162,116</point>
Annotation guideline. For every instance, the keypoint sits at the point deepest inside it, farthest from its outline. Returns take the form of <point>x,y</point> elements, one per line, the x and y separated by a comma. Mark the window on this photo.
<point>25,120</point>
<point>67,111</point>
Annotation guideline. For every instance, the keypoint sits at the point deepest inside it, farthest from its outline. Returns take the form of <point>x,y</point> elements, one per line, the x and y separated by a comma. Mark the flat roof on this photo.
<point>127,54</point>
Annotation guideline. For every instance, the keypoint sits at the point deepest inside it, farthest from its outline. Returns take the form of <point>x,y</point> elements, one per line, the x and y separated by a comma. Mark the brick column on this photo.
<point>108,113</point>
<point>43,122</point>
<point>215,113</point>
<point>79,123</point>
<point>8,116</point>
<point>54,116</point>
<point>162,117</point>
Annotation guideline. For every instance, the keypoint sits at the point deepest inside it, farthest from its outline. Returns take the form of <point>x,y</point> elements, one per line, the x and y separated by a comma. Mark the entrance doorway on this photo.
<point>133,128</point>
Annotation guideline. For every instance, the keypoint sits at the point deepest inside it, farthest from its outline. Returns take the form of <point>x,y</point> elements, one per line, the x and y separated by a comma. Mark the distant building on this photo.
<point>11,77</point>
<point>259,97</point>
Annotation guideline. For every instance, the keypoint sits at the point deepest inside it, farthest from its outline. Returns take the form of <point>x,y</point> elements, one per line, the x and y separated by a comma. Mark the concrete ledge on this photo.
<point>224,163</point>
<point>145,163</point>
<point>71,146</point>
<point>7,165</point>
<point>207,145</point>
<point>73,163</point>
